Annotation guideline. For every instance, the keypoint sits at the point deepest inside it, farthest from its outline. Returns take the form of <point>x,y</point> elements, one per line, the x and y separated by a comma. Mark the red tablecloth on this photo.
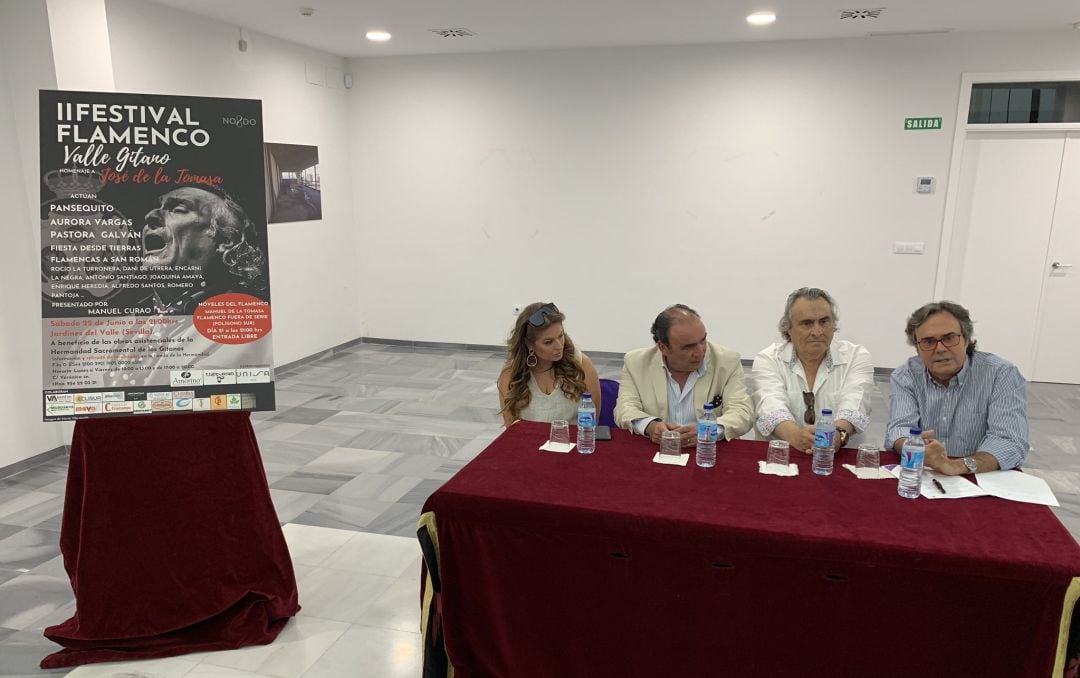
<point>170,540</point>
<point>610,565</point>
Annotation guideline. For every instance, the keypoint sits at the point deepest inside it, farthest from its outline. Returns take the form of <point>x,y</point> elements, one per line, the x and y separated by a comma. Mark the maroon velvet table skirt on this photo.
<point>546,564</point>
<point>170,540</point>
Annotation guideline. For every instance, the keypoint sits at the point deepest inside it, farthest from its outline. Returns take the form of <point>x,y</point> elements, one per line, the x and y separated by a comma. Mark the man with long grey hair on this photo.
<point>810,370</point>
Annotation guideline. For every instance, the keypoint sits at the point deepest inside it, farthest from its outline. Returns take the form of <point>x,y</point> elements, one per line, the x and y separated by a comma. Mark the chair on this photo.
<point>609,393</point>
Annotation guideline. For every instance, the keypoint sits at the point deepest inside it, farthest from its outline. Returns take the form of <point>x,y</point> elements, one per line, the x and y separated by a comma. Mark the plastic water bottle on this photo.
<point>586,425</point>
<point>706,438</point>
<point>912,458</point>
<point>825,431</point>
<point>823,460</point>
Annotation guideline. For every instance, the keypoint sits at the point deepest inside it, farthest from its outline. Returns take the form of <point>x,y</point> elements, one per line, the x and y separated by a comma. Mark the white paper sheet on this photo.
<point>1018,486</point>
<point>869,473</point>
<point>557,447</point>
<point>671,459</point>
<point>956,487</point>
<point>777,469</point>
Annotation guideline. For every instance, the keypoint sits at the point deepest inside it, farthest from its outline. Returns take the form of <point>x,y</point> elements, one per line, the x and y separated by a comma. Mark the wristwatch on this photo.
<point>972,465</point>
<point>842,437</point>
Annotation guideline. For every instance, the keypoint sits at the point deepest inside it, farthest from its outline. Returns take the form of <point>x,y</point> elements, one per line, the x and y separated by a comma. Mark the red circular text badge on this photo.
<point>233,318</point>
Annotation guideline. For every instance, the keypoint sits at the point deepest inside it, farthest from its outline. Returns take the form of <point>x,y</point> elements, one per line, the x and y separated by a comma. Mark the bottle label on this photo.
<point>707,432</point>
<point>823,438</point>
<point>912,459</point>
<point>586,420</point>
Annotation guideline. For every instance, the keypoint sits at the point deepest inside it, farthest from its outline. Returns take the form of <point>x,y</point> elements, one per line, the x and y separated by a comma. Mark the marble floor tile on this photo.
<point>312,545</point>
<point>302,415</point>
<point>22,652</point>
<point>400,519</point>
<point>29,548</point>
<point>300,644</point>
<point>313,483</point>
<point>170,667</point>
<point>289,504</point>
<point>441,446</point>
<point>350,460</point>
<point>31,509</point>
<point>340,595</point>
<point>8,530</point>
<point>368,651</point>
<point>28,598</point>
<point>343,513</point>
<point>377,487</point>
<point>395,608</point>
<point>378,554</point>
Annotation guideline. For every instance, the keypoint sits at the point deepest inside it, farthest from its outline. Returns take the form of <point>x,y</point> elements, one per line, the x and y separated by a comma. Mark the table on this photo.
<point>170,539</point>
<point>544,564</point>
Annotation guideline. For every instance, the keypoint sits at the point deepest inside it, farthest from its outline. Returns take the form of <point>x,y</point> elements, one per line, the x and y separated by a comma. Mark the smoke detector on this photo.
<point>307,11</point>
<point>452,32</point>
<point>861,13</point>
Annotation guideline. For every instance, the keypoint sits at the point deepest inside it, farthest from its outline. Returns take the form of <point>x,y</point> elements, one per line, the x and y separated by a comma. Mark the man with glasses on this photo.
<point>971,405</point>
<point>664,387</point>
<point>809,371</point>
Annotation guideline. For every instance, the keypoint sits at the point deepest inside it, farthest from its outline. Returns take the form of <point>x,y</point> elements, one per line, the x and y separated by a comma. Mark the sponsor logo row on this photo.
<point>250,375</point>
<point>69,404</point>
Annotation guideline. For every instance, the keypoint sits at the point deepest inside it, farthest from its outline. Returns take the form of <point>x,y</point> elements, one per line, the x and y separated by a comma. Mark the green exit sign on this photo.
<point>922,123</point>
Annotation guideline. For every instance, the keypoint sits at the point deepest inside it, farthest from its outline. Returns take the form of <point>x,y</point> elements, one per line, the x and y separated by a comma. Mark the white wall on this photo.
<point>617,181</point>
<point>164,51</point>
<point>25,67</point>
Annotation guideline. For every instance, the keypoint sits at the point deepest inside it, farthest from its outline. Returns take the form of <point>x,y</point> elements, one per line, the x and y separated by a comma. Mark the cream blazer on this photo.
<point>643,389</point>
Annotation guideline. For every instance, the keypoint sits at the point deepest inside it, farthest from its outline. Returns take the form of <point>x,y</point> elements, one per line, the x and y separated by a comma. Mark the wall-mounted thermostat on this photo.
<point>924,184</point>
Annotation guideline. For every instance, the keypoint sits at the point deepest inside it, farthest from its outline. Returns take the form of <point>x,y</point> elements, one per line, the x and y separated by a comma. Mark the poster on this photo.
<point>293,183</point>
<point>155,281</point>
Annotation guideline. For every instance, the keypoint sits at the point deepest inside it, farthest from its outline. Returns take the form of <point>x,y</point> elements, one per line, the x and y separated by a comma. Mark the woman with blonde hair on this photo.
<point>545,374</point>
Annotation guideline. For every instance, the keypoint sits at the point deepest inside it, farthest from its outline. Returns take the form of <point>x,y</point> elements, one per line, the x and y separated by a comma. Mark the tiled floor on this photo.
<point>360,440</point>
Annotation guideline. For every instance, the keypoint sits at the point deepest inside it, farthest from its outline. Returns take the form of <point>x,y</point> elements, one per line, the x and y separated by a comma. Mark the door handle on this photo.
<point>1057,264</point>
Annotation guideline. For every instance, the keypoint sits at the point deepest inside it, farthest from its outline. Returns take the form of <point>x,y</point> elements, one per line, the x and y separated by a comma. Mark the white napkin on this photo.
<point>671,459</point>
<point>557,447</point>
<point>777,469</point>
<point>869,473</point>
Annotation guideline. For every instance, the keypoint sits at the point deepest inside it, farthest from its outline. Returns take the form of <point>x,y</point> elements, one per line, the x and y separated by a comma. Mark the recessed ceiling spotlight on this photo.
<point>761,18</point>
<point>307,11</point>
<point>378,36</point>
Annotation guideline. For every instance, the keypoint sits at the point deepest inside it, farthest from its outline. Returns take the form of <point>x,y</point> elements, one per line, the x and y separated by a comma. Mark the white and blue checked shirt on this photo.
<point>680,401</point>
<point>983,409</point>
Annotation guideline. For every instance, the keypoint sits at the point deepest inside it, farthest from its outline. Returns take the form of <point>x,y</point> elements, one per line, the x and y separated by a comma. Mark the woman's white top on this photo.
<point>550,406</point>
<point>844,384</point>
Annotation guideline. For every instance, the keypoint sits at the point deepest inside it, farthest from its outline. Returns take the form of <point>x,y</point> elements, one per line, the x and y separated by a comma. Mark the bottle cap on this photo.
<point>916,431</point>
<point>825,411</point>
<point>586,394</point>
<point>708,406</point>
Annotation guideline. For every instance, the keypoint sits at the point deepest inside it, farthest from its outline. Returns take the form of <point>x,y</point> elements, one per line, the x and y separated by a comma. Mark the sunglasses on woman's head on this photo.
<point>537,319</point>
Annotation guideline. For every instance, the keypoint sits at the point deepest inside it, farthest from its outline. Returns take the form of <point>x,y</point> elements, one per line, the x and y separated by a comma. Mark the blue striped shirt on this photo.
<point>983,409</point>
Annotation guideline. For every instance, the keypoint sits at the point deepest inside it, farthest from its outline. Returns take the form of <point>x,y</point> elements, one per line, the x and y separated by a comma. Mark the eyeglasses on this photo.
<point>537,319</point>
<point>947,340</point>
<point>808,400</point>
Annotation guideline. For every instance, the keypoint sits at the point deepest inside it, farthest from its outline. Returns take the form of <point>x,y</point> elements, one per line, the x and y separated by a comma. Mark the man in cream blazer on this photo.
<point>664,387</point>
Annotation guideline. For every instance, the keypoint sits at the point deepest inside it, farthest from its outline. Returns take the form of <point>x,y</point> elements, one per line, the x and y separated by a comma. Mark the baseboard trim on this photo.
<point>37,459</point>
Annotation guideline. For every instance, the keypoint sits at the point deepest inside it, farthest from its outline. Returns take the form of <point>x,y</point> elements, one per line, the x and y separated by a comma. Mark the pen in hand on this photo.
<point>937,484</point>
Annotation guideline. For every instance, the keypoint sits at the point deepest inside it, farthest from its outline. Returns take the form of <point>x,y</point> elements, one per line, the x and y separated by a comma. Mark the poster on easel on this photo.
<point>155,280</point>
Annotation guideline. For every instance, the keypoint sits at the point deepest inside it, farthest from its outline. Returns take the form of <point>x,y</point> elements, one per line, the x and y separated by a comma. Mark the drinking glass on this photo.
<point>869,457</point>
<point>670,443</point>
<point>560,432</point>
<point>778,452</point>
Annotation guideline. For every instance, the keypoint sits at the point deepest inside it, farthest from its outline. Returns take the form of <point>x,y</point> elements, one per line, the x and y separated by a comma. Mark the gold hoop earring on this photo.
<point>532,359</point>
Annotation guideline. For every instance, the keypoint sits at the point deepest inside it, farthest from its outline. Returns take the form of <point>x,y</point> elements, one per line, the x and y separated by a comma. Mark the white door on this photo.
<point>1056,356</point>
<point>1005,208</point>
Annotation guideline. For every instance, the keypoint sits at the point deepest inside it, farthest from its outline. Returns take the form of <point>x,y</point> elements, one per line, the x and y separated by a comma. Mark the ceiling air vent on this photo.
<point>861,13</point>
<point>452,32</point>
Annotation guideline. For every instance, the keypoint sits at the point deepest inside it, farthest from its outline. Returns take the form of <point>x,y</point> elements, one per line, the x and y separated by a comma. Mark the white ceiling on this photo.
<point>338,26</point>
